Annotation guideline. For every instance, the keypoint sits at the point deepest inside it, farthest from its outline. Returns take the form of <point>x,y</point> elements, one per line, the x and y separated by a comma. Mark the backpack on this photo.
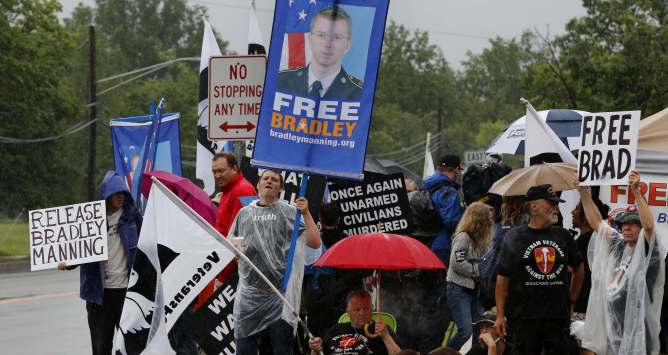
<point>426,220</point>
<point>487,268</point>
<point>475,183</point>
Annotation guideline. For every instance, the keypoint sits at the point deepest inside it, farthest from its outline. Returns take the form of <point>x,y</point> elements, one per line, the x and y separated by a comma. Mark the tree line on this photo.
<point>613,58</point>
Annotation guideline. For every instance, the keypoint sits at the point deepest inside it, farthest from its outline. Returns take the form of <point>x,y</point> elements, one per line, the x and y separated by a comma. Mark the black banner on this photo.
<point>213,324</point>
<point>378,204</point>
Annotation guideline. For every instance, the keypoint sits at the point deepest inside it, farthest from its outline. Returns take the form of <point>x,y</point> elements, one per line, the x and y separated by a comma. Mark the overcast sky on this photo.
<point>456,26</point>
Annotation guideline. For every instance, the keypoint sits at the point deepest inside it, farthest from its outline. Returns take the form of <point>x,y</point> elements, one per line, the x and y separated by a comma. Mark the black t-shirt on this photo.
<point>343,338</point>
<point>583,243</point>
<point>536,261</point>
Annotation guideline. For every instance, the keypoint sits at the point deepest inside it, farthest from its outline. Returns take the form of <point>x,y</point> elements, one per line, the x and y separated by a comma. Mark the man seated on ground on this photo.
<point>491,342</point>
<point>627,279</point>
<point>355,338</point>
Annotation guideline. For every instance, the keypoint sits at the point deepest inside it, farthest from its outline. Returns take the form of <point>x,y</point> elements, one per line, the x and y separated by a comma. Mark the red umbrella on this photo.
<point>188,192</point>
<point>380,251</point>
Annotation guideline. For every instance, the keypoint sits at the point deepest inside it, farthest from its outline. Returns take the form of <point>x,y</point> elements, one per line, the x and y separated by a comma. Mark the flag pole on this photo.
<point>229,246</point>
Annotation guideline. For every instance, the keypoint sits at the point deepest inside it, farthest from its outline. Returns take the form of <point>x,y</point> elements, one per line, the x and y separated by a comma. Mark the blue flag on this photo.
<point>319,88</point>
<point>129,139</point>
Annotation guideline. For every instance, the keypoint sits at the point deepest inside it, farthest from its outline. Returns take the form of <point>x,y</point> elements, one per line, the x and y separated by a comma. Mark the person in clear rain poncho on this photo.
<point>262,231</point>
<point>627,271</point>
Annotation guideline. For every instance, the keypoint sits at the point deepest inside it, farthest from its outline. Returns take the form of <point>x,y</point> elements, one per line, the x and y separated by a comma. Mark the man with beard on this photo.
<point>263,230</point>
<point>532,285</point>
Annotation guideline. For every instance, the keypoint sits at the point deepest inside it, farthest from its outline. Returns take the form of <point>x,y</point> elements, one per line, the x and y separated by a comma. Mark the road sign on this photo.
<point>474,157</point>
<point>235,92</point>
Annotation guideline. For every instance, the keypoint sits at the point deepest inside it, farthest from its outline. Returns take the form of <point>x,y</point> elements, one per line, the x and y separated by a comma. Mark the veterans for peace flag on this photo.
<point>318,93</point>
<point>178,254</point>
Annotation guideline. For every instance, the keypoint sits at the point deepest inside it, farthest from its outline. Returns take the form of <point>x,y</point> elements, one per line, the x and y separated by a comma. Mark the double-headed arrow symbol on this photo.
<point>226,126</point>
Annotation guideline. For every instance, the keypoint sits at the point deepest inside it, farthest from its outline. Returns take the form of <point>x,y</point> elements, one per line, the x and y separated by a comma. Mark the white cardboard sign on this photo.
<point>609,141</point>
<point>235,92</point>
<point>76,234</point>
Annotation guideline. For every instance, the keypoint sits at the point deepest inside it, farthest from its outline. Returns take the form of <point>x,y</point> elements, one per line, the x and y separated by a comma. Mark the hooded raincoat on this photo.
<point>92,274</point>
<point>626,294</point>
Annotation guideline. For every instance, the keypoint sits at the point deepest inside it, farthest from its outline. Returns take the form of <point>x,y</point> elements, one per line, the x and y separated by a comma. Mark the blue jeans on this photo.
<point>280,334</point>
<point>464,310</point>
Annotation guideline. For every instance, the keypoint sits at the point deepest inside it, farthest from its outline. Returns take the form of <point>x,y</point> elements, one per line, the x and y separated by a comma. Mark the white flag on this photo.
<point>540,138</point>
<point>178,254</point>
<point>428,169</point>
<point>205,147</point>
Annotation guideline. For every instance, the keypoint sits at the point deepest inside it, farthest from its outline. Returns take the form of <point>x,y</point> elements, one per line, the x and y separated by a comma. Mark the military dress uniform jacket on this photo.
<point>344,86</point>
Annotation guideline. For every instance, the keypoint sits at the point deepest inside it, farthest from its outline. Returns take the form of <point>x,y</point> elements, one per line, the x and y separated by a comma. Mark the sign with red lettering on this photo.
<point>235,93</point>
<point>655,190</point>
<point>609,141</point>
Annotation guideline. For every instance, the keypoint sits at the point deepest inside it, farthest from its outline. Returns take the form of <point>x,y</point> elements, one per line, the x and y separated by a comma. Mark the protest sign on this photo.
<point>213,324</point>
<point>235,90</point>
<point>655,190</point>
<point>292,180</point>
<point>128,136</point>
<point>377,204</point>
<point>319,88</point>
<point>609,141</point>
<point>76,234</point>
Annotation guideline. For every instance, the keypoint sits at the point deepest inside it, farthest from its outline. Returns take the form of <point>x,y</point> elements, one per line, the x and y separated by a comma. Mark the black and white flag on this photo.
<point>206,148</point>
<point>178,254</point>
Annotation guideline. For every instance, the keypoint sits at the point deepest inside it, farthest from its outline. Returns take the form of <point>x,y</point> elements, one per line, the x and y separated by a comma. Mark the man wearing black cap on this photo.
<point>491,342</point>
<point>630,278</point>
<point>532,288</point>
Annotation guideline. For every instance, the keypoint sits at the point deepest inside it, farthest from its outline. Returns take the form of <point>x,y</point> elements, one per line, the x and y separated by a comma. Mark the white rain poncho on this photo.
<point>626,294</point>
<point>266,233</point>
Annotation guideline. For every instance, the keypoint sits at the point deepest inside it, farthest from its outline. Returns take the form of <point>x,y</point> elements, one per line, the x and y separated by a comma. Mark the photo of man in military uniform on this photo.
<point>330,40</point>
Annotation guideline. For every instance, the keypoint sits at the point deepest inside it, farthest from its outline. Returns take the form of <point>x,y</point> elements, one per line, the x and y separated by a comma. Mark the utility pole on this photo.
<point>92,139</point>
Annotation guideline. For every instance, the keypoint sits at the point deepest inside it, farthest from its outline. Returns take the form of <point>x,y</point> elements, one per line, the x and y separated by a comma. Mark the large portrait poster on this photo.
<point>319,88</point>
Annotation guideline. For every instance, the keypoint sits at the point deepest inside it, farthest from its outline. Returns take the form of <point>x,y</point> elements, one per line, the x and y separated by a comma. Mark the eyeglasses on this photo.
<point>334,37</point>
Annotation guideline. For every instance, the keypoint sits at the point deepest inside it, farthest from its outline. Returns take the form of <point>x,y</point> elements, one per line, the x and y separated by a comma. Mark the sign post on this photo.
<point>235,92</point>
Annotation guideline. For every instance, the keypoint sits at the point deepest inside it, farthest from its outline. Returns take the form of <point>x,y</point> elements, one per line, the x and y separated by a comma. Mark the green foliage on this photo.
<point>36,102</point>
<point>14,238</point>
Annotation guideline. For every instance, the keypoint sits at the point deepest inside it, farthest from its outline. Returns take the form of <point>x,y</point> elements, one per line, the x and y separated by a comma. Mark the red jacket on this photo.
<point>227,210</point>
<point>230,203</point>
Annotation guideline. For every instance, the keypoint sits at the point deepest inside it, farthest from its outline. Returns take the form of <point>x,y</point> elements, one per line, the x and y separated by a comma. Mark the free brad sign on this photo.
<point>235,93</point>
<point>609,142</point>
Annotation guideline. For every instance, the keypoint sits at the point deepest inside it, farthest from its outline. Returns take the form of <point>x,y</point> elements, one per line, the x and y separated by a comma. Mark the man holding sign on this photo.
<point>262,231</point>
<point>103,284</point>
<point>627,279</point>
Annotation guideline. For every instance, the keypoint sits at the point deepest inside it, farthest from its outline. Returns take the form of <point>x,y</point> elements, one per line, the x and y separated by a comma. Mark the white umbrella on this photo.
<point>565,123</point>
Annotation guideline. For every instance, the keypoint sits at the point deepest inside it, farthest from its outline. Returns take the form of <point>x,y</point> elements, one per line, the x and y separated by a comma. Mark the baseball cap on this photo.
<point>542,192</point>
<point>487,318</point>
<point>450,161</point>
<point>630,214</point>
